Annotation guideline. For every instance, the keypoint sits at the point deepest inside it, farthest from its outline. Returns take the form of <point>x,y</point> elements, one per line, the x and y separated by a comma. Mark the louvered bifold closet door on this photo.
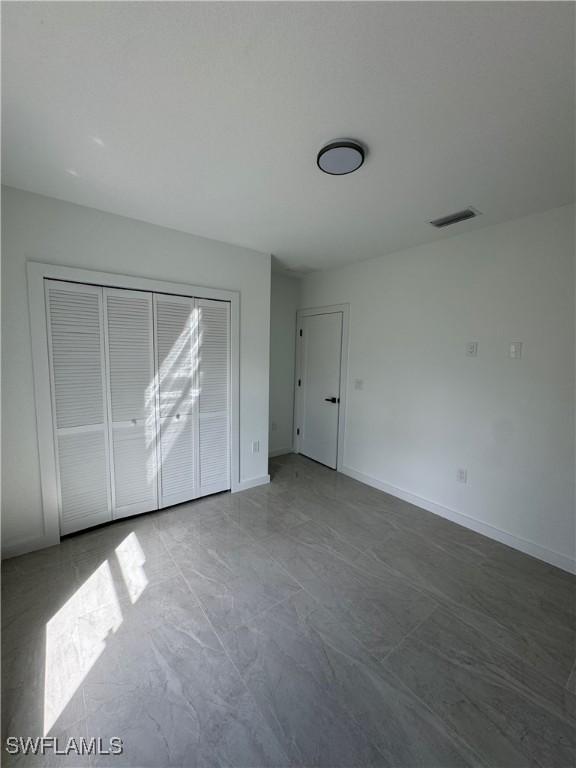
<point>132,400</point>
<point>77,369</point>
<point>176,337</point>
<point>214,395</point>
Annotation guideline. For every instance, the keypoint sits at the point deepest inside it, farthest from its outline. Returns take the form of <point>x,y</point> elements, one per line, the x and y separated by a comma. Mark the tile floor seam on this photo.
<point>235,667</point>
<point>485,633</point>
<point>353,719</point>
<point>331,611</point>
<point>250,532</point>
<point>453,606</point>
<point>409,634</point>
<point>354,565</point>
<point>497,642</point>
<point>523,689</point>
<point>422,536</point>
<point>406,528</point>
<point>450,729</point>
<point>356,720</point>
<point>400,576</point>
<point>387,567</point>
<point>263,612</point>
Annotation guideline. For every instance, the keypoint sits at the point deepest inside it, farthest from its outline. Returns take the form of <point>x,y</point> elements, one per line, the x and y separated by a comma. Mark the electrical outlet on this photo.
<point>462,475</point>
<point>472,349</point>
<point>256,446</point>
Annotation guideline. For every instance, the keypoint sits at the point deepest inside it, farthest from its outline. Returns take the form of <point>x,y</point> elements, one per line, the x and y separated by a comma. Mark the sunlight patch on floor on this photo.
<point>131,559</point>
<point>76,636</point>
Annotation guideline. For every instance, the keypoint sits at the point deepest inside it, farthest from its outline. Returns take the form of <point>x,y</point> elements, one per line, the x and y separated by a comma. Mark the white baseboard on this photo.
<point>23,546</point>
<point>253,482</point>
<point>279,452</point>
<point>523,545</point>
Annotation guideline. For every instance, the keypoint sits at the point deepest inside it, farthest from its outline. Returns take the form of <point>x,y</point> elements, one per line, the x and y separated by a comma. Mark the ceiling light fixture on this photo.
<point>340,157</point>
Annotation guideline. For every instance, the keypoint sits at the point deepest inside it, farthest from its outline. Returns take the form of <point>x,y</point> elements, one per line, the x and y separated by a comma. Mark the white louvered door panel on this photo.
<point>214,395</point>
<point>77,369</point>
<point>179,457</point>
<point>132,401</point>
<point>176,340</point>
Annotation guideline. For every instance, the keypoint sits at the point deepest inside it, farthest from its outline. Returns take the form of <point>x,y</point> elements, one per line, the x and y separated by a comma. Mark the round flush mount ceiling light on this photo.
<point>340,157</point>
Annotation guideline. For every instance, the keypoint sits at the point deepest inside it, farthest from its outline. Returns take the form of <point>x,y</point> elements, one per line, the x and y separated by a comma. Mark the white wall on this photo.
<point>284,303</point>
<point>37,228</point>
<point>427,409</point>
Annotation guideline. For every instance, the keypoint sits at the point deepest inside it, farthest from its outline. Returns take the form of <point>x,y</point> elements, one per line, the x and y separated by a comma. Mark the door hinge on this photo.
<point>298,431</point>
<point>300,331</point>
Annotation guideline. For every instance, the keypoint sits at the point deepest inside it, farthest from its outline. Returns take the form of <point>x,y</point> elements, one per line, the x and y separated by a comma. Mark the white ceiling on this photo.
<point>207,117</point>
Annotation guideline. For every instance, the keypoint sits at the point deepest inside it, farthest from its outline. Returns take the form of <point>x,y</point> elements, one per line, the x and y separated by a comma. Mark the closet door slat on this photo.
<point>76,350</point>
<point>132,399</point>
<point>214,395</point>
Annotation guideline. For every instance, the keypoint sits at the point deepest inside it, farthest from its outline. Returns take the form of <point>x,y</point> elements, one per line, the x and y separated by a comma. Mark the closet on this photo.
<point>140,386</point>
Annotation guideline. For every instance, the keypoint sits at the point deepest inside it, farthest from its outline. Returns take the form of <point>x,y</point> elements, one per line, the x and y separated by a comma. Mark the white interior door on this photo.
<point>213,395</point>
<point>132,400</point>
<point>78,386</point>
<point>320,347</point>
<point>176,333</point>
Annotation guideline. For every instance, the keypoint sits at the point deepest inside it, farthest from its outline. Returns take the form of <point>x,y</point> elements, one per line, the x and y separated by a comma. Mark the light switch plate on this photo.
<point>358,383</point>
<point>472,349</point>
<point>515,352</point>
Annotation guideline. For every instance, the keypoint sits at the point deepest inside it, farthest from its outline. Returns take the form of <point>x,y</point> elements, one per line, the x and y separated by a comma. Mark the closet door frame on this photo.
<point>39,272</point>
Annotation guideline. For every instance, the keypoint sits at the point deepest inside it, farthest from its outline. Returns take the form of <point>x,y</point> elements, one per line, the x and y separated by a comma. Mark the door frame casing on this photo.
<point>328,310</point>
<point>37,273</point>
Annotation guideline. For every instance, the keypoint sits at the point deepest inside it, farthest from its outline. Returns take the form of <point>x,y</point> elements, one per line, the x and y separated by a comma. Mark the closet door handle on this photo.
<point>177,415</point>
<point>332,399</point>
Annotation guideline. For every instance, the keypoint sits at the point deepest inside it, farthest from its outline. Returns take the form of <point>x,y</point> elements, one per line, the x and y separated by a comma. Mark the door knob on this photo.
<point>332,399</point>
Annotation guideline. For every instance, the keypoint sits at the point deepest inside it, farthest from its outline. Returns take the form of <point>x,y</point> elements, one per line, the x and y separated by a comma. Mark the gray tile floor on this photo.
<point>311,622</point>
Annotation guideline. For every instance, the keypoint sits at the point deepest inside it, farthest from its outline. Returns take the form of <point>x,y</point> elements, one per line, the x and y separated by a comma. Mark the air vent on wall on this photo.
<point>454,218</point>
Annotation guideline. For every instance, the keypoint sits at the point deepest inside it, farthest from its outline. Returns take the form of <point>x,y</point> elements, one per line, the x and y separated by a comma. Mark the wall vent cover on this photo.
<point>454,218</point>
